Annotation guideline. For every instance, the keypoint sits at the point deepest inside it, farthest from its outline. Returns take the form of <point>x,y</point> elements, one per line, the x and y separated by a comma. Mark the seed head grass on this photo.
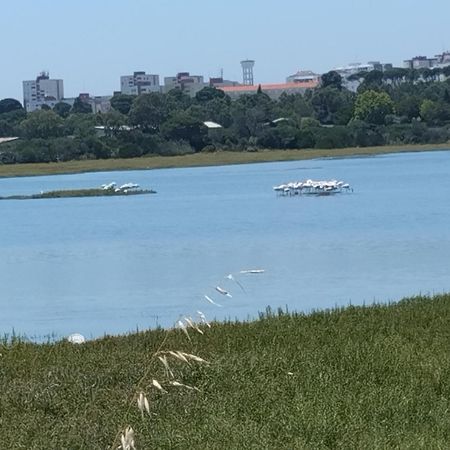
<point>359,377</point>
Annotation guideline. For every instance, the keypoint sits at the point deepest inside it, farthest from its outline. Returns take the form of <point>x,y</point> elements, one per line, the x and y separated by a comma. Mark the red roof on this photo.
<point>269,87</point>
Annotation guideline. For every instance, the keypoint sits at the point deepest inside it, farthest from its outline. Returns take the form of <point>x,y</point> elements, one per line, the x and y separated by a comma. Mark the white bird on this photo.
<point>230,277</point>
<point>210,300</point>
<point>223,291</point>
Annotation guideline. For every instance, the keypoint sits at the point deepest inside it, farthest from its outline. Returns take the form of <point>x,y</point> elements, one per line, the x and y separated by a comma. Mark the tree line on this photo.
<point>398,106</point>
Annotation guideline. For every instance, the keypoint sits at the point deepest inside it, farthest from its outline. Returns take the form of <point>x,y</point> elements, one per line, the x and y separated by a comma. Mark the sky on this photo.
<point>91,43</point>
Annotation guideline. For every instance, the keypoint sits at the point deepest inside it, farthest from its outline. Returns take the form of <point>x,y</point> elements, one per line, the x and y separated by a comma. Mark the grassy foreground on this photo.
<point>358,378</point>
<point>202,159</point>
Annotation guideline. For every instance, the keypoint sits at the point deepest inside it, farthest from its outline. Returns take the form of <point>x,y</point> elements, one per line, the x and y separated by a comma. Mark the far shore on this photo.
<point>218,158</point>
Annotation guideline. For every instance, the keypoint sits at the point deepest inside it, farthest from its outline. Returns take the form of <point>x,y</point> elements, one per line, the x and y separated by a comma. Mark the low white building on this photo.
<point>42,91</point>
<point>139,83</point>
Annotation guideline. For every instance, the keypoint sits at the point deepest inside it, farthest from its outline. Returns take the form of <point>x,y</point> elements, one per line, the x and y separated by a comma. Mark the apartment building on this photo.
<point>139,83</point>
<point>190,84</point>
<point>42,91</point>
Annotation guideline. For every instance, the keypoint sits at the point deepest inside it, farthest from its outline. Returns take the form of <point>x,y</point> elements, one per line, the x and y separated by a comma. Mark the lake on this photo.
<point>111,265</point>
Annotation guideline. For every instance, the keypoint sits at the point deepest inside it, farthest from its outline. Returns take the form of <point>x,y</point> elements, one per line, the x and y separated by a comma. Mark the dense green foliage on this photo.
<point>361,377</point>
<point>395,107</point>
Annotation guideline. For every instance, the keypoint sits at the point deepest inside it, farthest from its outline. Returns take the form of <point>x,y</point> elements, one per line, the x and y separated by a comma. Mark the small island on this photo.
<point>106,190</point>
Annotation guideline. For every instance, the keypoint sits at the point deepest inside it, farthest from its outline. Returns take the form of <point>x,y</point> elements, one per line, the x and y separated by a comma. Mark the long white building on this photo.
<point>139,83</point>
<point>42,91</point>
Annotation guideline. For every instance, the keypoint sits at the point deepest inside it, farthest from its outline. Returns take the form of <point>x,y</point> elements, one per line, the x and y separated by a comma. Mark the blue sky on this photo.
<point>90,43</point>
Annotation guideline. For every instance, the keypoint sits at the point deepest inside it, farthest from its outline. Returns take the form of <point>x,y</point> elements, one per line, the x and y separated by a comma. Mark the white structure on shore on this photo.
<point>42,91</point>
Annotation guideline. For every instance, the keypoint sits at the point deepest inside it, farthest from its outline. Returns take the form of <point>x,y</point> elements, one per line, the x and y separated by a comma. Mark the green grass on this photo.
<point>202,159</point>
<point>363,378</point>
<point>69,193</point>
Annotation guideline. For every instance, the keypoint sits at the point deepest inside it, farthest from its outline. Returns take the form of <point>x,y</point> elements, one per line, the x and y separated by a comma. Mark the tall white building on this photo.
<point>42,91</point>
<point>139,83</point>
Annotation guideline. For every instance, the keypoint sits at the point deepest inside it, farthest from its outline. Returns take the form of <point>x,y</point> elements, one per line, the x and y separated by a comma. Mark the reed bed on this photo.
<point>371,377</point>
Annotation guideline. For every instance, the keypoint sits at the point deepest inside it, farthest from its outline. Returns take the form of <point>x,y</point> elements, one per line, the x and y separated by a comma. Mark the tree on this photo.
<point>433,112</point>
<point>81,107</point>
<point>372,106</point>
<point>208,94</point>
<point>62,109</point>
<point>331,78</point>
<point>182,126</point>
<point>176,99</point>
<point>408,106</point>
<point>332,106</point>
<point>148,111</point>
<point>122,103</point>
<point>42,124</point>
<point>373,80</point>
<point>80,125</point>
<point>113,121</point>
<point>9,104</point>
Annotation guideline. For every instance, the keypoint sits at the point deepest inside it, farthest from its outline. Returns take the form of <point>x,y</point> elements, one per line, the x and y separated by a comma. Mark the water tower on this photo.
<point>247,72</point>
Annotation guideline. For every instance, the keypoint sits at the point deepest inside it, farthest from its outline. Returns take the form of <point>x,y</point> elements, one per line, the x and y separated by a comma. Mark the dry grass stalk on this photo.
<point>158,386</point>
<point>169,372</point>
<point>127,439</point>
<point>183,328</point>
<point>178,384</point>
<point>192,324</point>
<point>143,404</point>
<point>193,357</point>
<point>203,319</point>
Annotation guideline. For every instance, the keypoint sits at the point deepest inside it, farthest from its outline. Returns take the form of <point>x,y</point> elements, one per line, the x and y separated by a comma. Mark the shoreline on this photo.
<point>218,158</point>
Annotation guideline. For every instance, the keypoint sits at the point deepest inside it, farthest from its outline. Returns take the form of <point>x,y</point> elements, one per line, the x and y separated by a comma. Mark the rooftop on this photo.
<point>269,87</point>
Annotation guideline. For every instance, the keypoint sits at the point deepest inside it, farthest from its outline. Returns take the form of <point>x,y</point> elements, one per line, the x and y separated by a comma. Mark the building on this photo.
<point>219,83</point>
<point>354,68</point>
<point>190,84</point>
<point>443,59</point>
<point>42,91</point>
<point>99,103</point>
<point>303,76</point>
<point>139,83</point>
<point>274,91</point>
<point>420,62</point>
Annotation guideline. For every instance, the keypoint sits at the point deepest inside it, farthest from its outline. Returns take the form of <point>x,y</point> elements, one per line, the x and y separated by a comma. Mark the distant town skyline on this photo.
<point>91,44</point>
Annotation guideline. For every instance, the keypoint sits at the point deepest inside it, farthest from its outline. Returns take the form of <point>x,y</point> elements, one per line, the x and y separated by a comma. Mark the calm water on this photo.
<point>111,265</point>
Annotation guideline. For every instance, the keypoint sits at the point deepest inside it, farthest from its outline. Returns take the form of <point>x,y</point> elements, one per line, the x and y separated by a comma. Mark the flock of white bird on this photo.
<point>77,338</point>
<point>231,277</point>
<point>322,187</point>
<point>124,188</point>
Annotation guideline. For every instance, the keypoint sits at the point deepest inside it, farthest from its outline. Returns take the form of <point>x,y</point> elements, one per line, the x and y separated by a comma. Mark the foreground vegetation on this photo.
<point>361,377</point>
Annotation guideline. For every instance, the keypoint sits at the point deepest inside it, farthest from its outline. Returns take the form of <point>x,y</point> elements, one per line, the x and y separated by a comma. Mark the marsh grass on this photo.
<point>203,159</point>
<point>70,193</point>
<point>358,377</point>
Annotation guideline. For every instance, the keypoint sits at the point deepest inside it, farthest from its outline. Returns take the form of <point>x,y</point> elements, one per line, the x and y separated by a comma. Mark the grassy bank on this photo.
<point>201,159</point>
<point>375,377</point>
